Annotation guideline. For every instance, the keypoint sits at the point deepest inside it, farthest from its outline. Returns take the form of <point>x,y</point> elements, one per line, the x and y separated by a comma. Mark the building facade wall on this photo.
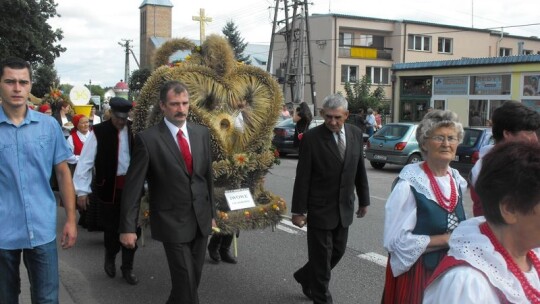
<point>466,43</point>
<point>484,89</point>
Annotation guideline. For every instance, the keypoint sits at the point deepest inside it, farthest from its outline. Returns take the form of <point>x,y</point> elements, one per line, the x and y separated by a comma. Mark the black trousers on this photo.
<point>111,237</point>
<point>325,250</point>
<point>186,262</point>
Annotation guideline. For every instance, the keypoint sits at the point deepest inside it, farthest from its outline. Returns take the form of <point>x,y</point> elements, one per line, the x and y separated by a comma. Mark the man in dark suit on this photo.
<point>330,169</point>
<point>174,157</point>
<point>100,175</point>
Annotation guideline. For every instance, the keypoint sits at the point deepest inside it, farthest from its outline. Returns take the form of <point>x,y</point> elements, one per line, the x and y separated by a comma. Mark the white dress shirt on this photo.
<point>174,130</point>
<point>82,178</point>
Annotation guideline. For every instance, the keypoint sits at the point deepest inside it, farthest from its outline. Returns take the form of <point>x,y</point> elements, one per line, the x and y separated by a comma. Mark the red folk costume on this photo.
<point>482,270</point>
<point>420,205</point>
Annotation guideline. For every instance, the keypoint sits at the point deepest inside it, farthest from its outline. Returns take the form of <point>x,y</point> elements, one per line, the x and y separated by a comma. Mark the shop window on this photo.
<point>414,86</point>
<point>480,111</point>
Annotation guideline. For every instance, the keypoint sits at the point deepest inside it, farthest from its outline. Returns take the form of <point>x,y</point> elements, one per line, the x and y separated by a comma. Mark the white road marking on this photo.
<point>381,260</point>
<point>379,198</point>
<point>375,258</point>
<point>286,229</point>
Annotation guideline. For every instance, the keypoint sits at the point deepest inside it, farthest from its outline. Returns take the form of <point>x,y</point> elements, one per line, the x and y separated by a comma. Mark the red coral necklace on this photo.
<point>530,292</point>
<point>449,204</point>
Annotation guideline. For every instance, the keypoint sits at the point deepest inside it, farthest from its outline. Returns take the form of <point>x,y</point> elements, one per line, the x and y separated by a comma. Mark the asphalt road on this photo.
<point>267,259</point>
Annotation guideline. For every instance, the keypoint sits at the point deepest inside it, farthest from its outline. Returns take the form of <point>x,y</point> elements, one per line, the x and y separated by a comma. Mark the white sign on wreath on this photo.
<point>239,199</point>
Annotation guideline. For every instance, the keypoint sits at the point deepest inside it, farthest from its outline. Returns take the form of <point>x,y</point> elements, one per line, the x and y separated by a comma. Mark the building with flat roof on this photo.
<point>344,48</point>
<point>471,87</point>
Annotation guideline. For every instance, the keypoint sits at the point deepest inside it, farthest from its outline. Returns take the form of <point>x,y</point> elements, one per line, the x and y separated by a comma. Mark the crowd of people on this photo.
<point>436,254</point>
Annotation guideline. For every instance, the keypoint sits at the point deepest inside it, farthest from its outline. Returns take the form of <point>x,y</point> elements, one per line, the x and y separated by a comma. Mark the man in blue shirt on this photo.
<point>31,144</point>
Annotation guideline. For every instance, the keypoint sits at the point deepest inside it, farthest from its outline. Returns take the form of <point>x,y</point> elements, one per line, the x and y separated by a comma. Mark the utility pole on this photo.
<point>293,70</point>
<point>202,22</point>
<point>128,47</point>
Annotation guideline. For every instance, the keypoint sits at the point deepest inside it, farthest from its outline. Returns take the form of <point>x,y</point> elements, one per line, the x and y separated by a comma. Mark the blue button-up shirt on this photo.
<point>28,153</point>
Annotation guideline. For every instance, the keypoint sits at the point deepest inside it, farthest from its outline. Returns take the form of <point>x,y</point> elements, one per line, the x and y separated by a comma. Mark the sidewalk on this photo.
<point>25,298</point>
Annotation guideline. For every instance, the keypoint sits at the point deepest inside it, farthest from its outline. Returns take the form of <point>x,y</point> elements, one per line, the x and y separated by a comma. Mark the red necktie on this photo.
<point>184,148</point>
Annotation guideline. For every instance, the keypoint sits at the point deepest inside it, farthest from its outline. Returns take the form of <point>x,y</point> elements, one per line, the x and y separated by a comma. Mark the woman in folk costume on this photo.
<point>78,136</point>
<point>76,139</point>
<point>495,259</point>
<point>425,206</point>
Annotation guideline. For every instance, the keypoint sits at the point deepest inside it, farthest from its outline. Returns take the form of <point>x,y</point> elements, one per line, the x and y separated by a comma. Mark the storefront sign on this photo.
<point>450,85</point>
<point>491,84</point>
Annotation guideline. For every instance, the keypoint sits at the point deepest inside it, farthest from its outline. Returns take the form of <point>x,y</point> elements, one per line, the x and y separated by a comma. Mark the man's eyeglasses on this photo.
<point>440,139</point>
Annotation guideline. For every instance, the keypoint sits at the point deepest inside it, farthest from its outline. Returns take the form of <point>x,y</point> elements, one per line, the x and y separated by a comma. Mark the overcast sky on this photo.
<point>93,29</point>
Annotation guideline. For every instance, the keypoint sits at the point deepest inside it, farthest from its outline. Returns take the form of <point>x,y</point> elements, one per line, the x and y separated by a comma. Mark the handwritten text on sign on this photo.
<point>239,199</point>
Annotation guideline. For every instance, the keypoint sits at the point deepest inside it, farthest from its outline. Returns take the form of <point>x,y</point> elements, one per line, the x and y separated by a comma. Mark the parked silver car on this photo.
<point>394,143</point>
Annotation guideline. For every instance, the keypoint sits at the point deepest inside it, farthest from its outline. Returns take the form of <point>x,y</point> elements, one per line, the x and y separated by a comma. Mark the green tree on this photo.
<point>361,96</point>
<point>25,33</point>
<point>96,90</point>
<point>44,78</point>
<point>230,30</point>
<point>136,82</point>
<point>65,88</point>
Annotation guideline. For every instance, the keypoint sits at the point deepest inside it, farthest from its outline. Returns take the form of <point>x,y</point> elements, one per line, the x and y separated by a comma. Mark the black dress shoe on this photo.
<point>214,255</point>
<point>110,268</point>
<point>305,285</point>
<point>227,257</point>
<point>130,277</point>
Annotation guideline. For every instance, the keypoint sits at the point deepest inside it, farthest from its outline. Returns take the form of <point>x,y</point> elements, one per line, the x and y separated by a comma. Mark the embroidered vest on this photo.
<point>432,219</point>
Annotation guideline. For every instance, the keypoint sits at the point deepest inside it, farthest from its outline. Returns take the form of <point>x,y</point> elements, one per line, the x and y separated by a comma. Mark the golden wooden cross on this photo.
<point>202,21</point>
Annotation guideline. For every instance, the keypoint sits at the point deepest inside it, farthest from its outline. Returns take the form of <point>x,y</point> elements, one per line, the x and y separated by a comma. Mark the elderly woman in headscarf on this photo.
<point>78,136</point>
<point>495,259</point>
<point>425,206</point>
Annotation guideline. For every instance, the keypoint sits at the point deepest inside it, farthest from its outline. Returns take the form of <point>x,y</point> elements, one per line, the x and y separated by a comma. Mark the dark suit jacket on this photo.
<point>179,204</point>
<point>324,185</point>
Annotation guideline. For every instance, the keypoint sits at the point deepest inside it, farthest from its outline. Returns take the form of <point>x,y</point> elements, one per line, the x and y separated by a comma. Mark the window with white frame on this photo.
<point>345,39</point>
<point>378,75</point>
<point>445,45</point>
<point>420,43</point>
<point>505,52</point>
<point>349,73</point>
<point>366,40</point>
<point>527,52</point>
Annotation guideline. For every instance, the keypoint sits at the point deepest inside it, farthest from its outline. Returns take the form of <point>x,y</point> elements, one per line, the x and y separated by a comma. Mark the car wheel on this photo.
<point>415,158</point>
<point>282,154</point>
<point>377,165</point>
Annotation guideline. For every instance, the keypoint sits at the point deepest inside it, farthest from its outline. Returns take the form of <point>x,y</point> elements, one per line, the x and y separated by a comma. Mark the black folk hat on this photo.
<point>120,107</point>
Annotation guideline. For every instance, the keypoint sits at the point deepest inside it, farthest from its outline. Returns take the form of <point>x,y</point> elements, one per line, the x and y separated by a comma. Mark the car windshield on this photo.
<point>470,137</point>
<point>287,123</point>
<point>392,132</point>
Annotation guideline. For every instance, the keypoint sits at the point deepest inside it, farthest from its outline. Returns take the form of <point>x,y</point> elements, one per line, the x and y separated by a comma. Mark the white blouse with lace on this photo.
<point>466,284</point>
<point>400,215</point>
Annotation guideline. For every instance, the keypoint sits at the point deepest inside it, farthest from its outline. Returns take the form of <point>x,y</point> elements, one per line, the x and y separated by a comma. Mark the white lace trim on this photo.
<point>416,176</point>
<point>467,243</point>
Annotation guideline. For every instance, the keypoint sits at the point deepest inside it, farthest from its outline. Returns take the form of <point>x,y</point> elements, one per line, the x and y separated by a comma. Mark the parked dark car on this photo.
<point>284,132</point>
<point>394,143</point>
<point>467,154</point>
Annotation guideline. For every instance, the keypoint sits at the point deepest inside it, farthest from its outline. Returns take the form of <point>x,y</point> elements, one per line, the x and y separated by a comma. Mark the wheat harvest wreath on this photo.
<point>219,86</point>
